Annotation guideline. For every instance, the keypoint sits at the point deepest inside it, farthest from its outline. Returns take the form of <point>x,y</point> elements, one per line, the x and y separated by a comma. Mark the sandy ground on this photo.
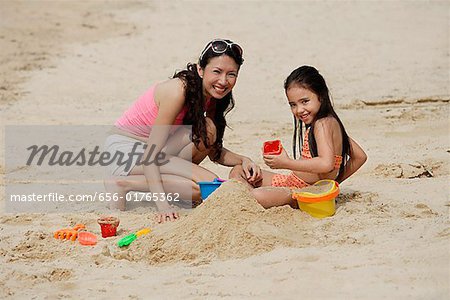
<point>387,64</point>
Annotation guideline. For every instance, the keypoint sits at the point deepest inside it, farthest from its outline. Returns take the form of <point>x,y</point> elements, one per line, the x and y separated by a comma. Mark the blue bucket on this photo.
<point>207,187</point>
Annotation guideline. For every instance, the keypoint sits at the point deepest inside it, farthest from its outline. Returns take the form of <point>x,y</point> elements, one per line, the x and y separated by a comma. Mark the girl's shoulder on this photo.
<point>327,123</point>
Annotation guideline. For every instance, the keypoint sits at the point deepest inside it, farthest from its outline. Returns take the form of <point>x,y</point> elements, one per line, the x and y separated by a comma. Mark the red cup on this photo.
<point>272,147</point>
<point>108,225</point>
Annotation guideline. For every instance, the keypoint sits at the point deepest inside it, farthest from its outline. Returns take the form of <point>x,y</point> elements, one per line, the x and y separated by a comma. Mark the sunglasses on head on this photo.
<point>219,46</point>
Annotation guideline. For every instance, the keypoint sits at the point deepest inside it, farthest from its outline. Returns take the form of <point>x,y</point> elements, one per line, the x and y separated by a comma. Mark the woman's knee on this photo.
<point>211,131</point>
<point>202,174</point>
<point>211,135</point>
<point>196,195</point>
<point>179,140</point>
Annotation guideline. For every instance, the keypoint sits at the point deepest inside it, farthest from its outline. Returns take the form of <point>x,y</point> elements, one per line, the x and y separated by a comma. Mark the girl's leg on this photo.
<point>268,195</point>
<point>274,196</point>
<point>264,192</point>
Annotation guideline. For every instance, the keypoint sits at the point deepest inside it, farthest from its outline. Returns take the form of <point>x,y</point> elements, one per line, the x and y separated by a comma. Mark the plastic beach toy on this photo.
<point>207,187</point>
<point>318,200</point>
<point>87,238</point>
<point>68,233</point>
<point>108,226</point>
<point>125,241</point>
<point>272,147</point>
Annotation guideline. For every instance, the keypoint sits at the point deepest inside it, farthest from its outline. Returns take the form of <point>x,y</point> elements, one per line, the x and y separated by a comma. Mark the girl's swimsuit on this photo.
<point>292,180</point>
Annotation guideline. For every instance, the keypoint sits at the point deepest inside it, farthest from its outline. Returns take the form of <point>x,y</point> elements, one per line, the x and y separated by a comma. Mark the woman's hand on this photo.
<point>166,217</point>
<point>280,161</point>
<point>251,170</point>
<point>166,213</point>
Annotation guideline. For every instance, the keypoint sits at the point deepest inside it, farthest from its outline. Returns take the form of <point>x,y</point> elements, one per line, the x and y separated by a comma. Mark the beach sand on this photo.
<point>386,64</point>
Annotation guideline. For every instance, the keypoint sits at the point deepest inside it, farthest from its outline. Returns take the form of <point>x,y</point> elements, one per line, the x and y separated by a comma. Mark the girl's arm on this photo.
<point>323,163</point>
<point>315,165</point>
<point>357,159</point>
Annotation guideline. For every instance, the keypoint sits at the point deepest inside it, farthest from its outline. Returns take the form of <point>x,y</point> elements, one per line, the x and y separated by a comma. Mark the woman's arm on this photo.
<point>169,96</point>
<point>357,159</point>
<point>230,159</point>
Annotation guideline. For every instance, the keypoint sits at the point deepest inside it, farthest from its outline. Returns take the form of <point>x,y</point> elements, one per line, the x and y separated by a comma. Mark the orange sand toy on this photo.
<point>68,233</point>
<point>87,238</point>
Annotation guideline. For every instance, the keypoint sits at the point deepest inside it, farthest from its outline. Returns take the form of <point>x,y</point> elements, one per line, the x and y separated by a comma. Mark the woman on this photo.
<point>200,96</point>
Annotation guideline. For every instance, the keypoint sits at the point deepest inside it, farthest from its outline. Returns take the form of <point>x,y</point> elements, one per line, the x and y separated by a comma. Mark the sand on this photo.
<point>387,67</point>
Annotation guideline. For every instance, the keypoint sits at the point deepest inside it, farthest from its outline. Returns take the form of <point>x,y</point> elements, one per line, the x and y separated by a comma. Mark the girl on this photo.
<point>199,96</point>
<point>327,152</point>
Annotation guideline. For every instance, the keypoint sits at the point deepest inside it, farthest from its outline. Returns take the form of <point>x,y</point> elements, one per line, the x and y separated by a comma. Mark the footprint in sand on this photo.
<point>356,196</point>
<point>424,169</point>
<point>425,210</point>
<point>17,220</point>
<point>35,246</point>
<point>444,233</point>
<point>310,258</point>
<point>58,274</point>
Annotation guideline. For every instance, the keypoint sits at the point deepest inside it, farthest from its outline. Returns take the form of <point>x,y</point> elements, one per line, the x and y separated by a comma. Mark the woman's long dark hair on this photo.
<point>310,79</point>
<point>195,101</point>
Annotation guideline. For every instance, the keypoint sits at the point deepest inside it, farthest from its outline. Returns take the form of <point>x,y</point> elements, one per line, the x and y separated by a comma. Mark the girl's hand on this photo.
<point>252,171</point>
<point>277,161</point>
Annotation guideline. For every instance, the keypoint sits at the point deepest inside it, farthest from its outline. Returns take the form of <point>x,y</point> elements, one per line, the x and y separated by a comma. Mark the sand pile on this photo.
<point>231,224</point>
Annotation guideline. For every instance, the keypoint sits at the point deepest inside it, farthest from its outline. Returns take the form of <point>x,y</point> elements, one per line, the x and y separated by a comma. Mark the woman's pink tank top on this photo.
<point>139,118</point>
